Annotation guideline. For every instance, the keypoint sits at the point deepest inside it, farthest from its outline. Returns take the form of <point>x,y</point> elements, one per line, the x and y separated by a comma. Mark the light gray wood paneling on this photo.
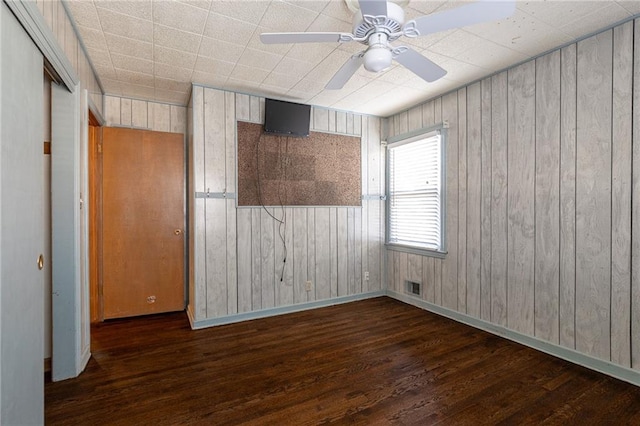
<point>621,195</point>
<point>197,162</point>
<point>256,106</point>
<point>364,211</point>
<point>357,250</point>
<point>635,208</point>
<point>286,288</point>
<point>349,128</point>
<point>357,125</point>
<point>311,253</point>
<point>402,123</point>
<point>449,287</point>
<point>499,199</point>
<point>125,112</point>
<point>414,118</point>
<point>593,196</point>
<point>267,257</point>
<point>299,255</point>
<point>428,277</point>
<point>216,242</point>
<point>343,247</point>
<point>461,304</point>
<point>402,271</point>
<point>485,206</point>
<point>230,142</point>
<point>557,198</point>
<point>567,195</point>
<point>231,255</point>
<point>178,117</point>
<point>428,114</point>
<point>333,242</point>
<point>474,197</point>
<point>351,248</point>
<point>214,140</point>
<point>243,109</point>
<point>414,268</point>
<point>112,108</point>
<point>139,113</point>
<point>547,202</point>
<point>341,122</point>
<point>159,117</point>
<point>323,253</point>
<point>332,121</point>
<point>244,262</point>
<point>320,119</point>
<point>200,259</point>
<point>256,260</point>
<point>520,197</point>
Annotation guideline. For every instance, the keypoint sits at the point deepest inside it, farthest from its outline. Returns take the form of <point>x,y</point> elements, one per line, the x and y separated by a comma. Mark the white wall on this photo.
<point>237,254</point>
<point>539,190</point>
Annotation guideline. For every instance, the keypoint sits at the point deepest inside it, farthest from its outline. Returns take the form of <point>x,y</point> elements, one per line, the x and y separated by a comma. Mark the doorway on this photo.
<point>137,222</point>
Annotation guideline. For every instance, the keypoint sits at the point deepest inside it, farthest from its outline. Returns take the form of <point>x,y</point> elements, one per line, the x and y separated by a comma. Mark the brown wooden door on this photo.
<point>142,222</point>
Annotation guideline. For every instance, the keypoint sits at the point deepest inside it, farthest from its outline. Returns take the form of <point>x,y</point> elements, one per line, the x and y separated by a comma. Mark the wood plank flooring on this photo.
<point>376,361</point>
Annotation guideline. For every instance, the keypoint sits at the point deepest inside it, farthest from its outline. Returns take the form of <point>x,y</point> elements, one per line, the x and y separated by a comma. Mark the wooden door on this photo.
<point>143,215</point>
<point>22,226</point>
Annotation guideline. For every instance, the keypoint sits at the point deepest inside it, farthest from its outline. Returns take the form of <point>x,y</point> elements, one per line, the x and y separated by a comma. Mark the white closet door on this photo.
<point>21,226</point>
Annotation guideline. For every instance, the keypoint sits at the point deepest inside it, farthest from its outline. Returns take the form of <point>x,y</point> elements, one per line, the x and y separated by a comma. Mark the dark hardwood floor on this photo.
<point>377,361</point>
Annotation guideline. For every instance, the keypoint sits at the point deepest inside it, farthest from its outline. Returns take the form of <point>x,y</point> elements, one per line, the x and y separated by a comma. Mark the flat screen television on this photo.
<point>286,118</point>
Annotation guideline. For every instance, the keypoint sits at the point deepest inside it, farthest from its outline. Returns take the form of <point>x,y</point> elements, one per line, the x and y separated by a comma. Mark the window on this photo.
<point>415,193</point>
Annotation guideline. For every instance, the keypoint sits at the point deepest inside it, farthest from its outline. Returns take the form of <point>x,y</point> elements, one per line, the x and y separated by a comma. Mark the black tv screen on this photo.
<point>286,118</point>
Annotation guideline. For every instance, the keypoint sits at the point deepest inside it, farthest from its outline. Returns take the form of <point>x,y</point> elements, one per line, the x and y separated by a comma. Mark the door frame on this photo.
<point>95,218</point>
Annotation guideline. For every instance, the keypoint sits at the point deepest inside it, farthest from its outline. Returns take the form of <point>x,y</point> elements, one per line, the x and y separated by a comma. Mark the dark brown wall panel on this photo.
<point>321,170</point>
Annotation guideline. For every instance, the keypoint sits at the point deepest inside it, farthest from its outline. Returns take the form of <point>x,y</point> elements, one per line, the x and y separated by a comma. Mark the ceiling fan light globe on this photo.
<point>377,59</point>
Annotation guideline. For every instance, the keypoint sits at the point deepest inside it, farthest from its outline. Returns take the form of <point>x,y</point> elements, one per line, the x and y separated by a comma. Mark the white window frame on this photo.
<point>407,139</point>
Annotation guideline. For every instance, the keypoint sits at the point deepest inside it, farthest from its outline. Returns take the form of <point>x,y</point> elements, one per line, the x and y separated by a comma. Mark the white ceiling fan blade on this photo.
<point>469,14</point>
<point>281,38</point>
<point>418,64</point>
<point>345,73</point>
<point>373,7</point>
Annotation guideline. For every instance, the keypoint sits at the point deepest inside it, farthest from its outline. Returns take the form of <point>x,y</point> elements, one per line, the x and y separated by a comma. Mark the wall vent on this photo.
<point>414,288</point>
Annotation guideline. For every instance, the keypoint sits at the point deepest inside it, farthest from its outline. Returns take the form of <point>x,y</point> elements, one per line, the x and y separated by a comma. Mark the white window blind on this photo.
<point>415,193</point>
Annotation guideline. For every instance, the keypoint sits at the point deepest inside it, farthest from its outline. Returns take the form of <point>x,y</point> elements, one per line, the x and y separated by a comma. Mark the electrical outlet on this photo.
<point>366,276</point>
<point>307,286</point>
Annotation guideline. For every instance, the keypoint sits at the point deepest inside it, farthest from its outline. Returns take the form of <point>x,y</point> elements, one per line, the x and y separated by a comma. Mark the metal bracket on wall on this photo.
<point>208,194</point>
<point>374,197</point>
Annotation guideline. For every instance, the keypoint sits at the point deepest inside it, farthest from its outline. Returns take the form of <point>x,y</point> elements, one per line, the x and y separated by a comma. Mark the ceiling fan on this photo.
<point>379,22</point>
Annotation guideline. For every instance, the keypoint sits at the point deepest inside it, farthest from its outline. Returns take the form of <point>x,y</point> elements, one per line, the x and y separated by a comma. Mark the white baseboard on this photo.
<point>264,313</point>
<point>623,373</point>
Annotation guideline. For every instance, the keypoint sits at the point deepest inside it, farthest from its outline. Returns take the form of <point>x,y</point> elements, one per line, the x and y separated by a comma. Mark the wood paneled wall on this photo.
<point>137,114</point>
<point>59,22</point>
<point>539,199</point>
<point>238,254</point>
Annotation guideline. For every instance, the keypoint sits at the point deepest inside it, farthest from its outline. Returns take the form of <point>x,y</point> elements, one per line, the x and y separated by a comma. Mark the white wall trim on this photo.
<point>84,359</point>
<point>605,367</point>
<point>34,24</point>
<point>264,313</point>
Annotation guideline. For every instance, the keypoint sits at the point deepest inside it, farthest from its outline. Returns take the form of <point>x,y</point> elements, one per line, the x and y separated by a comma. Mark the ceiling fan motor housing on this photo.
<point>363,27</point>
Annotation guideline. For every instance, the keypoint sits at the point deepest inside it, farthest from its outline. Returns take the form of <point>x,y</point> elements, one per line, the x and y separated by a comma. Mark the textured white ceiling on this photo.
<point>155,49</point>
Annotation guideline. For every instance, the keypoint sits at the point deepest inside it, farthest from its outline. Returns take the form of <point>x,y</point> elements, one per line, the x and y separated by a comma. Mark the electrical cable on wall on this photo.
<point>282,225</point>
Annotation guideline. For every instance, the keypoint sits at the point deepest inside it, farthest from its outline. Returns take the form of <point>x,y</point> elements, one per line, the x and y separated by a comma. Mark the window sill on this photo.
<point>417,250</point>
